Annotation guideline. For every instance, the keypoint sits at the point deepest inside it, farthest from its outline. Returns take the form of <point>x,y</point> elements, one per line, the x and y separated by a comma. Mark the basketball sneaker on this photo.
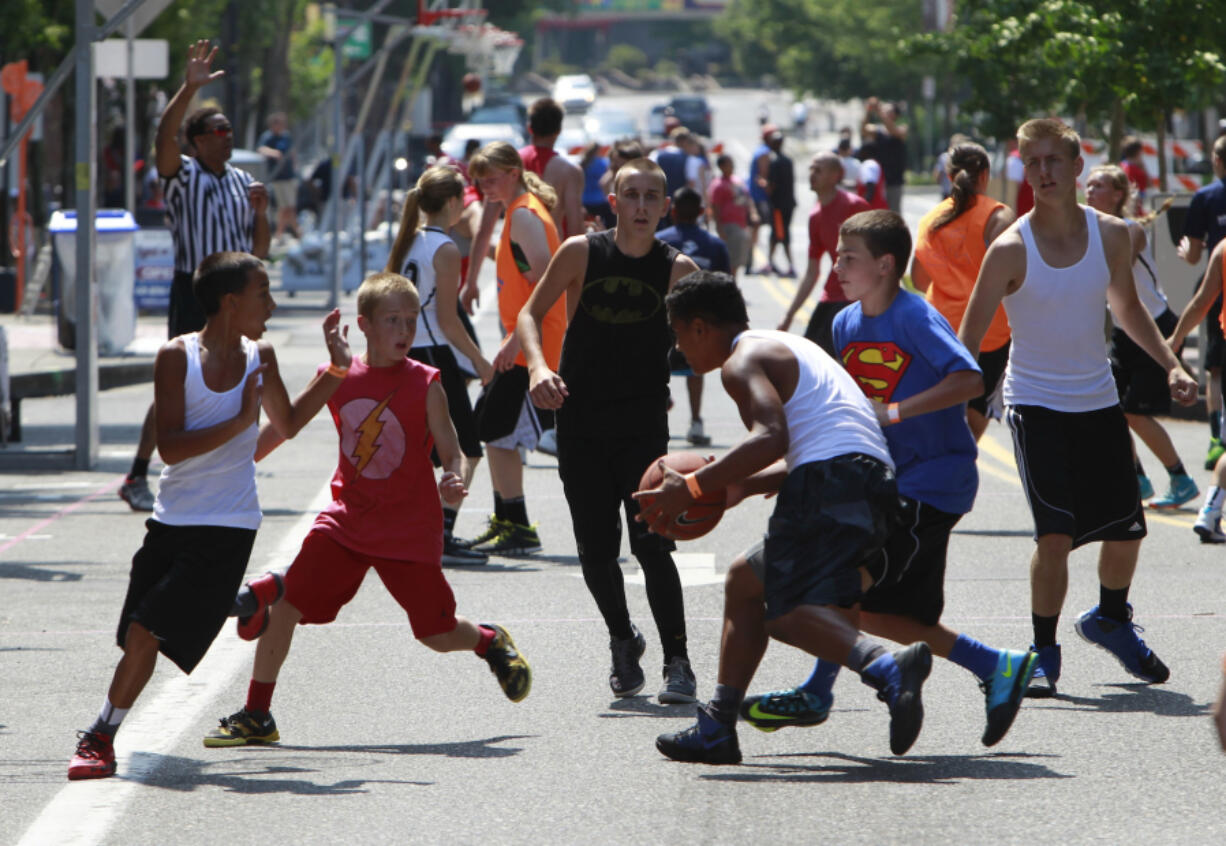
<point>696,435</point>
<point>508,664</point>
<point>514,539</point>
<point>1005,689</point>
<point>680,686</point>
<point>1146,486</point>
<point>626,675</point>
<point>1182,489</point>
<point>899,677</point>
<point>493,529</point>
<point>257,595</point>
<point>782,708</point>
<point>1047,671</point>
<point>94,758</point>
<point>456,553</point>
<point>708,741</point>
<point>1208,526</point>
<point>241,728</point>
<point>135,492</point>
<point>1120,639</point>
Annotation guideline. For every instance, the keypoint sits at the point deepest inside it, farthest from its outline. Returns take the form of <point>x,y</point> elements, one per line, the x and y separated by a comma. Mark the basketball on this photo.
<point>471,83</point>
<point>699,518</point>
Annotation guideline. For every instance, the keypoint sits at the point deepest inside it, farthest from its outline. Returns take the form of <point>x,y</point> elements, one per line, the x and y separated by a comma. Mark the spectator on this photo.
<point>890,140</point>
<point>276,145</point>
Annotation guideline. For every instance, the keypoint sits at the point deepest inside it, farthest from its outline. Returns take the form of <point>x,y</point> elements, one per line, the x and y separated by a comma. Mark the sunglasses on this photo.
<point>221,131</point>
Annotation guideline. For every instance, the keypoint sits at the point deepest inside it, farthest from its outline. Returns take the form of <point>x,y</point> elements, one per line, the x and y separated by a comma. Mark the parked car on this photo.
<point>694,113</point>
<point>608,125</point>
<point>655,120</point>
<point>509,111</point>
<point>576,92</point>
<point>459,135</point>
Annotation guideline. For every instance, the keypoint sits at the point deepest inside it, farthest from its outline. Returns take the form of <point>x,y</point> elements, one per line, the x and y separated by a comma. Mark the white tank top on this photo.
<point>216,488</point>
<point>419,268</point>
<point>827,415</point>
<point>1144,274</point>
<point>1058,358</point>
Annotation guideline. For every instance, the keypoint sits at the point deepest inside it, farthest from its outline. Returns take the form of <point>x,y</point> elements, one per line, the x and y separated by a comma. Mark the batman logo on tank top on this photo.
<point>620,300</point>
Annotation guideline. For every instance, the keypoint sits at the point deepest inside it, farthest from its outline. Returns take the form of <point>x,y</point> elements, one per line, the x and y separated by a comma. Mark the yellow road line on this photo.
<point>779,293</point>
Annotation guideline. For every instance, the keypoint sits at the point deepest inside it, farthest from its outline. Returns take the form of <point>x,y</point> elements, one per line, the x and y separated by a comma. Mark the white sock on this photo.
<point>1214,500</point>
<point>109,719</point>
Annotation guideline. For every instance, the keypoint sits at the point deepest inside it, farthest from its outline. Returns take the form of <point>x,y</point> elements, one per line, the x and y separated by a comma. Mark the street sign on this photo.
<point>150,58</point>
<point>140,19</point>
<point>358,45</point>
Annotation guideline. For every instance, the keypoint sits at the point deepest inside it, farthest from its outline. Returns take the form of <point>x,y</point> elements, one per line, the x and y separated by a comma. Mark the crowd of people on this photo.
<point>865,426</point>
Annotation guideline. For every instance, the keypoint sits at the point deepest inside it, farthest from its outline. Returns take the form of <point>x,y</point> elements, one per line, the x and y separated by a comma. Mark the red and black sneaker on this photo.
<point>262,592</point>
<point>94,758</point>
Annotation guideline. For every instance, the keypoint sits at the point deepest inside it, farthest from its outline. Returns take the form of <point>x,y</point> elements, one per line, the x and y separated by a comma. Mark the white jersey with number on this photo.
<point>419,268</point>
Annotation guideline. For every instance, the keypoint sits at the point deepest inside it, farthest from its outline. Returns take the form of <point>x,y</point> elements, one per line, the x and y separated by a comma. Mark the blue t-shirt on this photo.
<point>282,168</point>
<point>708,251</point>
<point>756,192</point>
<point>895,355</point>
<point>1207,214</point>
<point>592,194</point>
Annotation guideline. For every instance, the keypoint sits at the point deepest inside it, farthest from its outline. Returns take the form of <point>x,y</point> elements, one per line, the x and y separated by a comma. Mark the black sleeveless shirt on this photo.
<point>615,352</point>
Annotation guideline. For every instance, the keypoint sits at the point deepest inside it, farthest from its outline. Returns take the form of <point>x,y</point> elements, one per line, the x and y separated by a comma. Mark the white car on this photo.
<point>575,92</point>
<point>609,125</point>
<point>461,133</point>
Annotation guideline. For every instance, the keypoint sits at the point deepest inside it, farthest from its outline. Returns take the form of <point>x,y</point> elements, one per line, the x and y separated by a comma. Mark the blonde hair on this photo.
<point>1034,130</point>
<point>501,155</point>
<point>1120,182</point>
<point>435,187</point>
<point>382,286</point>
<point>640,165</point>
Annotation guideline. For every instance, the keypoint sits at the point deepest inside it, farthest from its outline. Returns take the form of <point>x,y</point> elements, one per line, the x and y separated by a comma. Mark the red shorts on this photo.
<point>326,575</point>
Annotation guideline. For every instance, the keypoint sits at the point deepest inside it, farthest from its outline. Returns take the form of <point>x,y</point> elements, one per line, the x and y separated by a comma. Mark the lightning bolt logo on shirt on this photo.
<point>368,435</point>
<point>877,367</point>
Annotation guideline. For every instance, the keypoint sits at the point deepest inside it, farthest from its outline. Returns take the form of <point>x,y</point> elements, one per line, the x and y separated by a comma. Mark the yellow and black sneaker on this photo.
<point>508,664</point>
<point>242,728</point>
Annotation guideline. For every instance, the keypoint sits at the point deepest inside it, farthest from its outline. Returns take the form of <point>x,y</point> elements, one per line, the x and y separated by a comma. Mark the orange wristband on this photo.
<point>892,413</point>
<point>691,482</point>
<point>334,370</point>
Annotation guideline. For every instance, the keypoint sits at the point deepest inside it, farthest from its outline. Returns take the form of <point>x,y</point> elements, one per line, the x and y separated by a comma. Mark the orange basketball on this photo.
<point>699,518</point>
<point>471,83</point>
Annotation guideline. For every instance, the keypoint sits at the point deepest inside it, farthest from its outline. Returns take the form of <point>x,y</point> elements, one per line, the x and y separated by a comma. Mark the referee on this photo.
<point>211,207</point>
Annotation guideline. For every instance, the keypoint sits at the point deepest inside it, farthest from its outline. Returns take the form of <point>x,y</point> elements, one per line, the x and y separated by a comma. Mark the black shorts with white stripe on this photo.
<point>1078,474</point>
<point>913,565</point>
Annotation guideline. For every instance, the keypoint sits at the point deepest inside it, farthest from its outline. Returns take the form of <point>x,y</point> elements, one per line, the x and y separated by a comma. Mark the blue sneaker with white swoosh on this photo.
<point>708,741</point>
<point>1005,689</point>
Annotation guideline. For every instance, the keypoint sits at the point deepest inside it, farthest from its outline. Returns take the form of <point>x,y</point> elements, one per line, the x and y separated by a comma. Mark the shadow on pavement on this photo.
<point>35,573</point>
<point>466,749</point>
<point>1133,698</point>
<point>644,706</point>
<point>186,774</point>
<point>996,533</point>
<point>924,769</point>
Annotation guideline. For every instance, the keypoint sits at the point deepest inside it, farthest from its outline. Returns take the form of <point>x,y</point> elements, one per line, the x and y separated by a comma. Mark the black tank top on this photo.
<point>615,352</point>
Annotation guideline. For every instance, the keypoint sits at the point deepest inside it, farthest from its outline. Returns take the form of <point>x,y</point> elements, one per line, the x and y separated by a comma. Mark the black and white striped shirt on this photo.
<point>208,212</point>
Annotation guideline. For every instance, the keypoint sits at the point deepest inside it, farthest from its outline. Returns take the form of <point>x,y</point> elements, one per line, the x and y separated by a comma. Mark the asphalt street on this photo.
<point>384,741</point>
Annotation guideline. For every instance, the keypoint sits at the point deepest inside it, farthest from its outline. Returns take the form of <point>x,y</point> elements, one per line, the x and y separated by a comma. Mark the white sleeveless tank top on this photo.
<point>827,415</point>
<point>216,488</point>
<point>1145,275</point>
<point>419,268</point>
<point>1058,358</point>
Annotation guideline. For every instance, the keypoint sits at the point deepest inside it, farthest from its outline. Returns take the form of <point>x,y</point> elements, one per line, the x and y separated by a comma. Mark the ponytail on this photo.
<point>967,162</point>
<point>409,218</point>
<point>500,154</point>
<point>542,189</point>
<point>435,187</point>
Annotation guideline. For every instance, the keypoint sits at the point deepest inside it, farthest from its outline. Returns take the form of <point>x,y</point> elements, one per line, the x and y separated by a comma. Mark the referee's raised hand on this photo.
<point>199,71</point>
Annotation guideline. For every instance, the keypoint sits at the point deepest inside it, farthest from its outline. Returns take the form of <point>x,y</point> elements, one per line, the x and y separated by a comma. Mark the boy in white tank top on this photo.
<point>814,438</point>
<point>1055,269</point>
<point>209,387</point>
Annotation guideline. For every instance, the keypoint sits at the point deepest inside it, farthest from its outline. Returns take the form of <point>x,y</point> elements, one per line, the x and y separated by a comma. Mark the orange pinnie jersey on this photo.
<point>1222,317</point>
<point>952,256</point>
<point>514,288</point>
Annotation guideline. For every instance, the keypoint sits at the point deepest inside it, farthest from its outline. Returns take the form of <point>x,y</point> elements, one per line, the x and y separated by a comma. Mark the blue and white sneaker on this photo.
<point>1004,691</point>
<point>899,677</point>
<point>781,708</point>
<point>1120,639</point>
<point>1208,526</point>
<point>1182,489</point>
<point>1146,486</point>
<point>1047,671</point>
<point>708,741</point>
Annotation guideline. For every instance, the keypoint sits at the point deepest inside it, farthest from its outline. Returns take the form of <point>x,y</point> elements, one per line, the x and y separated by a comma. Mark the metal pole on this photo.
<point>338,159</point>
<point>87,348</point>
<point>129,134</point>
<point>360,141</point>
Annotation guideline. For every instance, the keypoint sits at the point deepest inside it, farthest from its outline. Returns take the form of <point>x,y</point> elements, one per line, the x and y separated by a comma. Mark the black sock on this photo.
<point>1177,469</point>
<point>500,509</point>
<point>449,515</point>
<point>1137,463</point>
<point>862,654</point>
<point>1215,424</point>
<point>516,510</point>
<point>725,704</point>
<point>1113,603</point>
<point>1044,629</point>
<point>140,468</point>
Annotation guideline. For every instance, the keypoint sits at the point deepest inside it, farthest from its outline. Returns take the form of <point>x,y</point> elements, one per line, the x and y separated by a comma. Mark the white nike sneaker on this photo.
<point>1209,526</point>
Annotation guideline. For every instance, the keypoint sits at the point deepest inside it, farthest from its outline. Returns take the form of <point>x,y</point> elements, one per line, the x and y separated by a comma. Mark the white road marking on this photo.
<point>695,568</point>
<point>84,811</point>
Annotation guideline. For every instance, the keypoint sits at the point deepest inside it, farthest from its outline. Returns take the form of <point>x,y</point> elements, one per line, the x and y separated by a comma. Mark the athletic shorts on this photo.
<point>781,224</point>
<point>831,518</point>
<point>506,417</point>
<point>764,211</point>
<point>993,365</point>
<point>598,477</point>
<point>185,313</point>
<point>1078,473</point>
<point>913,565</point>
<point>1141,381</point>
<point>285,193</point>
<point>821,325</point>
<point>736,238</point>
<point>459,406</point>
<point>182,586</point>
<point>326,576</point>
<point>678,364</point>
